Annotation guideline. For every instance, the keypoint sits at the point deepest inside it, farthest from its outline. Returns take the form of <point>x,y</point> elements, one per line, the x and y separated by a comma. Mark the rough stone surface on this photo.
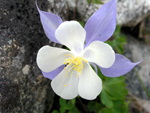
<point>129,12</point>
<point>22,87</point>
<point>67,9</point>
<point>26,69</point>
<point>136,51</point>
<point>138,105</point>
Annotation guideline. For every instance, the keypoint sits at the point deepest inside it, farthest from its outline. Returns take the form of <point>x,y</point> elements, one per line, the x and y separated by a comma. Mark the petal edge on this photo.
<point>100,53</point>
<point>50,58</point>
<point>121,66</point>
<point>72,35</point>
<point>102,23</point>
<point>65,85</point>
<point>90,85</point>
<point>51,75</point>
<point>50,23</point>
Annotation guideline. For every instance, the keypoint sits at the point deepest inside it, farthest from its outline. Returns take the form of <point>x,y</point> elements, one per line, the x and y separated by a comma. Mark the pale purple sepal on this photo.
<point>51,75</point>
<point>102,23</point>
<point>50,23</point>
<point>121,66</point>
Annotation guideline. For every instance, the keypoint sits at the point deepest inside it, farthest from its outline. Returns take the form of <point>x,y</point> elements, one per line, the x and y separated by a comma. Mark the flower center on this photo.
<point>75,63</point>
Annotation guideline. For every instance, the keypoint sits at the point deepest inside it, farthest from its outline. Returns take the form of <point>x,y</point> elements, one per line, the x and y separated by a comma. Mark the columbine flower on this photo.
<point>70,70</point>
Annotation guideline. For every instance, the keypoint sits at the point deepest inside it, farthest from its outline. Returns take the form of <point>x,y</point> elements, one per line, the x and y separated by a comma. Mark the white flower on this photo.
<point>77,78</point>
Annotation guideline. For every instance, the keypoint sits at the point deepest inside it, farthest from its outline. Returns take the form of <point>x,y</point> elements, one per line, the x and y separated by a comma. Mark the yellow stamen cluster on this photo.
<point>76,63</point>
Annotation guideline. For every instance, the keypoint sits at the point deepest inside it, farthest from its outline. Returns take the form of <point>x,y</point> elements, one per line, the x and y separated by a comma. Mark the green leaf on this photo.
<point>120,107</point>
<point>95,1</point>
<point>62,109</point>
<point>69,105</point>
<point>94,106</point>
<point>55,111</point>
<point>62,102</point>
<point>106,110</point>
<point>82,23</point>
<point>73,101</point>
<point>74,110</point>
<point>118,29</point>
<point>115,87</point>
<point>114,81</point>
<point>117,91</point>
<point>106,100</point>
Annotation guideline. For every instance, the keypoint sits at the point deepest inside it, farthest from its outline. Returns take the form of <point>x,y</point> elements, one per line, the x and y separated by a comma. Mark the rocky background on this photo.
<point>22,87</point>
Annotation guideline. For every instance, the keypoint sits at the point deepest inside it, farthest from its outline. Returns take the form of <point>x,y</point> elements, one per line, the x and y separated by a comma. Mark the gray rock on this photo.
<point>136,51</point>
<point>22,87</point>
<point>138,105</point>
<point>129,12</point>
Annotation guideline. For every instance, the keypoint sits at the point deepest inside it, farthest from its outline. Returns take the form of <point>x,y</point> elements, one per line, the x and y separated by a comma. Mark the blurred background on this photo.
<point>23,89</point>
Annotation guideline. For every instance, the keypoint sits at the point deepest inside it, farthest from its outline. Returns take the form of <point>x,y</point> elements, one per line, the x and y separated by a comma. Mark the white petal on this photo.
<point>72,35</point>
<point>100,53</point>
<point>65,85</point>
<point>49,58</point>
<point>90,85</point>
